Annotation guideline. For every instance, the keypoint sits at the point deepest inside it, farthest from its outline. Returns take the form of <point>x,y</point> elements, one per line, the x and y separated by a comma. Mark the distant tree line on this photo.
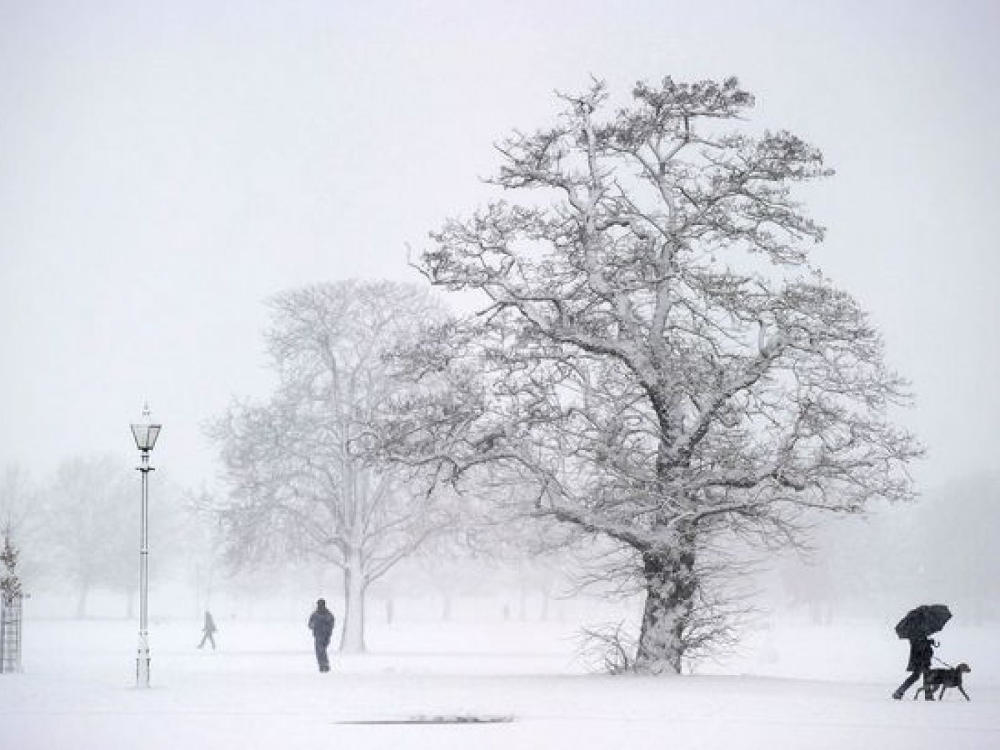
<point>936,550</point>
<point>77,530</point>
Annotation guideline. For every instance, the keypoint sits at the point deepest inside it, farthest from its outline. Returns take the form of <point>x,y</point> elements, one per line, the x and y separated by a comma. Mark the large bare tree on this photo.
<point>300,468</point>
<point>662,361</point>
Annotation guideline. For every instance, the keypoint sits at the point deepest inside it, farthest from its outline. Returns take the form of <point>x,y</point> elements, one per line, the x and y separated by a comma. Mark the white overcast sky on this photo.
<point>166,167</point>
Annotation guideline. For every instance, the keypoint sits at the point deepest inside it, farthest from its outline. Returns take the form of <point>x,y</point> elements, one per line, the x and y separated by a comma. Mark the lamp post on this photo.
<point>145,435</point>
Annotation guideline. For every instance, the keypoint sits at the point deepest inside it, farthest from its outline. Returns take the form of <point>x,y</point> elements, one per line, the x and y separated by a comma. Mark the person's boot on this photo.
<point>897,695</point>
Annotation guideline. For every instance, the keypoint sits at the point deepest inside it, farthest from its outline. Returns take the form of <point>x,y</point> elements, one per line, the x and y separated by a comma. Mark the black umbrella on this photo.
<point>923,620</point>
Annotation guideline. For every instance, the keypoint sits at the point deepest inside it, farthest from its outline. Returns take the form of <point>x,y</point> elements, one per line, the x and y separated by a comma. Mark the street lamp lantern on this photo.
<point>145,434</point>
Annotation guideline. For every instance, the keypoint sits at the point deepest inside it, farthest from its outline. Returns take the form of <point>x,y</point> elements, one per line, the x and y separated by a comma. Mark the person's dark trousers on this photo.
<point>907,683</point>
<point>321,658</point>
<point>207,637</point>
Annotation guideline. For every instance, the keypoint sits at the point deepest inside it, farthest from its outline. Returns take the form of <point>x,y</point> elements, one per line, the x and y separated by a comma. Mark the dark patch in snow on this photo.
<point>435,720</point>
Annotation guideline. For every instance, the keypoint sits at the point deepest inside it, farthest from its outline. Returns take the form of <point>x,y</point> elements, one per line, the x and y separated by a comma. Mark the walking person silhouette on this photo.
<point>921,652</point>
<point>321,624</point>
<point>208,630</point>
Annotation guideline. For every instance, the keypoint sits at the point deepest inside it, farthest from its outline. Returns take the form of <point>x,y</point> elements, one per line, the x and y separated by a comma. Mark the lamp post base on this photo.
<point>142,663</point>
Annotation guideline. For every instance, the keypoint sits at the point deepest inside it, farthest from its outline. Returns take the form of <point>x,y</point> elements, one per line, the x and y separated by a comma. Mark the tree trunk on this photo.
<point>81,600</point>
<point>671,587</point>
<point>352,637</point>
<point>446,606</point>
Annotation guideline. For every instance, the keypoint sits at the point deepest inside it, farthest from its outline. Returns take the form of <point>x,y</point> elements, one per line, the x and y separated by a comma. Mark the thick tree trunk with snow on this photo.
<point>352,638</point>
<point>671,586</point>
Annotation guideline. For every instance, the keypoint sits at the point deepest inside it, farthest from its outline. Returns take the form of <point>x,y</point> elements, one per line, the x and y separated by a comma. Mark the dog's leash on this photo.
<point>942,661</point>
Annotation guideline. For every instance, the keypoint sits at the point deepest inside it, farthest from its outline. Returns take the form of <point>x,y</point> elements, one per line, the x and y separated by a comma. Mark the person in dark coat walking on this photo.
<point>321,624</point>
<point>921,651</point>
<point>208,630</point>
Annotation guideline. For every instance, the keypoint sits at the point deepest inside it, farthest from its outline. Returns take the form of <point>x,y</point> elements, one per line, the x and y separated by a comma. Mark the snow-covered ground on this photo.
<point>794,686</point>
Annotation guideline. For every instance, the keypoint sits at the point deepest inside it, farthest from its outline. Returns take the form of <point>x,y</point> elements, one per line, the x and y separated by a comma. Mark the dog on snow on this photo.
<point>944,679</point>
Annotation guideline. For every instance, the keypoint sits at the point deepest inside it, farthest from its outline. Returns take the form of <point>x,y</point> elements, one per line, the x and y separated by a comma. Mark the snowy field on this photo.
<point>793,687</point>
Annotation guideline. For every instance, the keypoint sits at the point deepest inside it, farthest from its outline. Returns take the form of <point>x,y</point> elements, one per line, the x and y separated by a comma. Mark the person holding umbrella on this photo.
<point>921,652</point>
<point>917,627</point>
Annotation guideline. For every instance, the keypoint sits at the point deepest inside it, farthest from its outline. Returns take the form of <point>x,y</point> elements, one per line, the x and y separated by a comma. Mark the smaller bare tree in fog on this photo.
<point>303,482</point>
<point>91,527</point>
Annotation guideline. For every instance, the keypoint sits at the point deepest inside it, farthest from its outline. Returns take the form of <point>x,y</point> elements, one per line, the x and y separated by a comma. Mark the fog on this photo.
<point>166,169</point>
